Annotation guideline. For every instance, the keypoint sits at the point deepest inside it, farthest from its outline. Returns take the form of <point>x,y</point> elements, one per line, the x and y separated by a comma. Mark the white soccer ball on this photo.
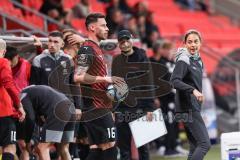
<point>117,93</point>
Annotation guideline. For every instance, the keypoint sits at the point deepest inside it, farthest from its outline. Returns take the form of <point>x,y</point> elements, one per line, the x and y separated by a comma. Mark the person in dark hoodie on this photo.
<point>126,112</point>
<point>187,80</point>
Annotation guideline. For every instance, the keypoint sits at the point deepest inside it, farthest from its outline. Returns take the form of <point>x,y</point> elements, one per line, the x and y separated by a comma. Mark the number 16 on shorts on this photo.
<point>111,132</point>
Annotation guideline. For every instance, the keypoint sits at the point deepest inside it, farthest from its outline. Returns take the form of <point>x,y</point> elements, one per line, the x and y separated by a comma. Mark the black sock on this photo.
<point>94,154</point>
<point>83,151</point>
<point>7,156</point>
<point>73,150</point>
<point>110,154</point>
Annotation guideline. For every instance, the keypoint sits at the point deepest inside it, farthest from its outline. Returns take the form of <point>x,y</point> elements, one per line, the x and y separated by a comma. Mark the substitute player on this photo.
<point>58,112</point>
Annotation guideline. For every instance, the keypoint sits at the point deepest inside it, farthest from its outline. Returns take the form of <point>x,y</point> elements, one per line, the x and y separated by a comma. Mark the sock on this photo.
<point>73,150</point>
<point>94,154</point>
<point>7,156</point>
<point>83,151</point>
<point>110,154</point>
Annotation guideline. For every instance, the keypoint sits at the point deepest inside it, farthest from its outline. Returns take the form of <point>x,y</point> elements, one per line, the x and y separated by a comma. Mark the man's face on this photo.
<point>125,45</point>
<point>101,29</point>
<point>54,44</point>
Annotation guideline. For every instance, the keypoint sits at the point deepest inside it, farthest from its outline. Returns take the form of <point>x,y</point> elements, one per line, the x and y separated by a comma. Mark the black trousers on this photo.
<point>197,135</point>
<point>124,136</point>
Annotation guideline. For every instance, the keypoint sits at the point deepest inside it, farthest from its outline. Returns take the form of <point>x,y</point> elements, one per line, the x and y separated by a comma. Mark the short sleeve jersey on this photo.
<point>94,95</point>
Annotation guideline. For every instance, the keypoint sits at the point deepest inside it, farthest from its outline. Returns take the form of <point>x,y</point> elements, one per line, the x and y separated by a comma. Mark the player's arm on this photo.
<point>86,78</point>
<point>36,70</point>
<point>7,82</point>
<point>38,44</point>
<point>148,103</point>
<point>83,77</point>
<point>74,88</point>
<point>180,71</point>
<point>84,62</point>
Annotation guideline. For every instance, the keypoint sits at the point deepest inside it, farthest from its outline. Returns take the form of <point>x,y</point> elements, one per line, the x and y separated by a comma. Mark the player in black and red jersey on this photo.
<point>92,72</point>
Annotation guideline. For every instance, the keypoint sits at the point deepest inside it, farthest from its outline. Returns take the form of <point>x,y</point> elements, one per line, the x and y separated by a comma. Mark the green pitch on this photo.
<point>213,154</point>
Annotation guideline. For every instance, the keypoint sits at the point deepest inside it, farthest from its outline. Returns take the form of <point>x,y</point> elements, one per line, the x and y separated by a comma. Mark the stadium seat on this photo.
<point>210,63</point>
<point>167,30</point>
<point>97,6</point>
<point>68,4</point>
<point>79,24</point>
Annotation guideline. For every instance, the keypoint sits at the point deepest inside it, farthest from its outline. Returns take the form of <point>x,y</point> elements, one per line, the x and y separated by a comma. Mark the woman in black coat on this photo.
<point>187,80</point>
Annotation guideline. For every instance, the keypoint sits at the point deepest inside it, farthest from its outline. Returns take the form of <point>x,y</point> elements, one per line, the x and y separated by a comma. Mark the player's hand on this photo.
<point>149,116</point>
<point>78,114</point>
<point>75,39</point>
<point>22,113</point>
<point>37,42</point>
<point>198,95</point>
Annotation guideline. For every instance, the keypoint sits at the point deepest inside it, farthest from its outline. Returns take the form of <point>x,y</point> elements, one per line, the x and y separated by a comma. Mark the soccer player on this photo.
<point>58,112</point>
<point>8,100</point>
<point>92,71</point>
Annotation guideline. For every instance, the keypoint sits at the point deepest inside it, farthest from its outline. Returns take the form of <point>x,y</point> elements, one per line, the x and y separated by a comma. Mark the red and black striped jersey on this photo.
<point>94,95</point>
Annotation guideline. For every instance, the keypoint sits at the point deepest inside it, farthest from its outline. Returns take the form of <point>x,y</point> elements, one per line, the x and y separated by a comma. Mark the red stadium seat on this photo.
<point>210,63</point>
<point>68,4</point>
<point>167,30</point>
<point>79,24</point>
<point>97,6</point>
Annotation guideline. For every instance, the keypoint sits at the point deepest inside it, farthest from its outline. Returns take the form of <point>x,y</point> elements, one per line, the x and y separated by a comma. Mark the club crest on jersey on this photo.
<point>63,64</point>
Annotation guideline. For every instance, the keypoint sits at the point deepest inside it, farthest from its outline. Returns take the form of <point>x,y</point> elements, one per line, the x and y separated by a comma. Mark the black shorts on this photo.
<point>21,130</point>
<point>80,131</point>
<point>101,130</point>
<point>60,124</point>
<point>7,131</point>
